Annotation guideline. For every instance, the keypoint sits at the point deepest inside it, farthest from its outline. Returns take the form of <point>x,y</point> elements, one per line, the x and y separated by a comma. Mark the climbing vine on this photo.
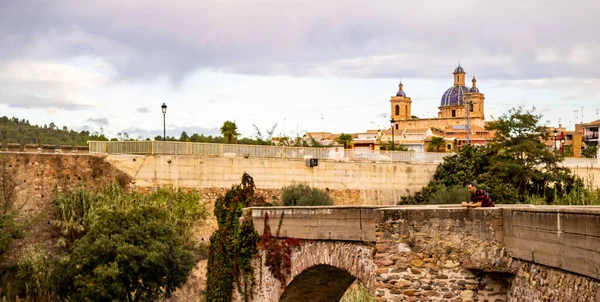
<point>278,257</point>
<point>233,244</point>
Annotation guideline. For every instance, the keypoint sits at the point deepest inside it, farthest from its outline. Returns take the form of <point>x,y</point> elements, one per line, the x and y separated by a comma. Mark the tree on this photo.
<point>184,137</point>
<point>435,143</point>
<point>589,152</point>
<point>515,166</point>
<point>520,156</point>
<point>345,139</point>
<point>129,255</point>
<point>229,130</point>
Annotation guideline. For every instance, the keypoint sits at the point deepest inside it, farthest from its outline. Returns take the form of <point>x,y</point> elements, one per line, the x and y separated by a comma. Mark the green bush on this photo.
<point>129,255</point>
<point>304,195</point>
<point>34,274</point>
<point>77,210</point>
<point>450,195</point>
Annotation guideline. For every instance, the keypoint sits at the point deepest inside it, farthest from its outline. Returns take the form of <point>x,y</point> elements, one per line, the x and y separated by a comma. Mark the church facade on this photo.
<point>456,103</point>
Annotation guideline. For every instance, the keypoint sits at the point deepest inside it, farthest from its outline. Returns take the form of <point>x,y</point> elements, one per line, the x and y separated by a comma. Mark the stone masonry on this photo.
<point>321,272</point>
<point>533,282</point>
<point>430,255</point>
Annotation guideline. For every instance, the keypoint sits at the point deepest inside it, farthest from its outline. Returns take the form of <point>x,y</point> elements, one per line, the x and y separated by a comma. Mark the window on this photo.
<point>396,126</point>
<point>453,113</point>
<point>406,110</point>
<point>471,107</point>
<point>397,110</point>
<point>449,147</point>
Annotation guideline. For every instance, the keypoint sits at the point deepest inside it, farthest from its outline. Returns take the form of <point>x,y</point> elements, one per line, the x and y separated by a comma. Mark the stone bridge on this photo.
<point>431,253</point>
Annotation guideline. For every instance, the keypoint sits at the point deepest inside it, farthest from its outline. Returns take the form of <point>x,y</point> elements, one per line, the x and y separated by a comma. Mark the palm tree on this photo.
<point>345,139</point>
<point>229,130</point>
<point>436,142</point>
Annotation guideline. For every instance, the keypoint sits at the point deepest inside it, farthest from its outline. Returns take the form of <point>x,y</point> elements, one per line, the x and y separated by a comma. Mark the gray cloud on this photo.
<point>493,39</point>
<point>32,101</point>
<point>98,121</point>
<point>142,110</point>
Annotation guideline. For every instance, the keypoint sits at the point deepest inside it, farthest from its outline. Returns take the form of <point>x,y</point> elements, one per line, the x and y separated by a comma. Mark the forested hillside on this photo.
<point>14,130</point>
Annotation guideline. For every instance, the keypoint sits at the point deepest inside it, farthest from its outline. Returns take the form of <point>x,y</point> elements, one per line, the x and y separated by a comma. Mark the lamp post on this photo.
<point>562,144</point>
<point>164,111</point>
<point>393,122</point>
<point>555,134</point>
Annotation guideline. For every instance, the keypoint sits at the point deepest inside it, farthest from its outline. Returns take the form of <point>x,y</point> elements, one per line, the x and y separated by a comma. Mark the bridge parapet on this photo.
<point>343,223</point>
<point>565,237</point>
<point>438,252</point>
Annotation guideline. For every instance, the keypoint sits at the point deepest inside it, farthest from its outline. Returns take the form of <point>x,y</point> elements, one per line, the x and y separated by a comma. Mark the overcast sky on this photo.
<point>304,65</point>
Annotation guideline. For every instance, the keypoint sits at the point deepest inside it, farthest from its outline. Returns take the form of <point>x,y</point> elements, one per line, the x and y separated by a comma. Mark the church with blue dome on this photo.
<point>457,102</point>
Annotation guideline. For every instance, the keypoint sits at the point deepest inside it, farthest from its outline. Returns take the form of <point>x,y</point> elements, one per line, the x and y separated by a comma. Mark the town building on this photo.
<point>460,120</point>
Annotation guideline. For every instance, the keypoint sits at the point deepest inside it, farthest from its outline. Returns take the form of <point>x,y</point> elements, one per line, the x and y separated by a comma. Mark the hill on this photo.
<point>14,130</point>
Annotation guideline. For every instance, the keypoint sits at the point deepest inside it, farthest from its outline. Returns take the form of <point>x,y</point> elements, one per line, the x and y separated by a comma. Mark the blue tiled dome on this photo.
<point>459,69</point>
<point>474,89</point>
<point>454,96</point>
<point>400,91</point>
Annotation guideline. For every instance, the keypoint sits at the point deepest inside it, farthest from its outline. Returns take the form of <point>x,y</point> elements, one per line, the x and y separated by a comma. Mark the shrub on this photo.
<point>129,255</point>
<point>35,275</point>
<point>450,195</point>
<point>303,195</point>
<point>77,210</point>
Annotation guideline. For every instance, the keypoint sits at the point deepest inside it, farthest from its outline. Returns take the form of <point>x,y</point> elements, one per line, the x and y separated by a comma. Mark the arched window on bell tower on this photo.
<point>397,110</point>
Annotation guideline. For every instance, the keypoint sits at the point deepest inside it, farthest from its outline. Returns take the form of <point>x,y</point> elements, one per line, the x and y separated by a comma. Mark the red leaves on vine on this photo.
<point>278,256</point>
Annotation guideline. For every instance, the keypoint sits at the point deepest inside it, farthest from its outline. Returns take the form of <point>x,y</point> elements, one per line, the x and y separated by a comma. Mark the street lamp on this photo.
<point>562,144</point>
<point>555,134</point>
<point>393,122</point>
<point>164,111</point>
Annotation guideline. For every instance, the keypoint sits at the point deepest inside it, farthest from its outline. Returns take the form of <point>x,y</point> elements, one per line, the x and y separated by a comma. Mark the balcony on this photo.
<point>590,136</point>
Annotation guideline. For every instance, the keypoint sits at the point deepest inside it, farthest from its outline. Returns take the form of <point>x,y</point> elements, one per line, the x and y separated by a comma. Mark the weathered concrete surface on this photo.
<point>371,183</point>
<point>345,223</point>
<point>567,238</point>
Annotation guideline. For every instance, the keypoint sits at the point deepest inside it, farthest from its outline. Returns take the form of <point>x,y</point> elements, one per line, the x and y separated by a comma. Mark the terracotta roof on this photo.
<point>593,123</point>
<point>416,130</point>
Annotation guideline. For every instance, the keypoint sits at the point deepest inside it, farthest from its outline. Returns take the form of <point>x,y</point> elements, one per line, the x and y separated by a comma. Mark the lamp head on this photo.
<point>164,108</point>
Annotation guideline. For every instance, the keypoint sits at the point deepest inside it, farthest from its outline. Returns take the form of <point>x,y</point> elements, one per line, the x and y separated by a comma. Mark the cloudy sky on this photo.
<point>304,65</point>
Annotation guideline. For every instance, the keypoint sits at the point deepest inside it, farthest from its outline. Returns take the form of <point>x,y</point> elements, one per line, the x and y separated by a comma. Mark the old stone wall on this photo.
<point>534,282</point>
<point>430,254</point>
<point>320,271</point>
<point>38,175</point>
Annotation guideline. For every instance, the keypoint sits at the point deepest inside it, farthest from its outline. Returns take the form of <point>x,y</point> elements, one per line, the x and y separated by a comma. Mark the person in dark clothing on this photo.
<point>479,198</point>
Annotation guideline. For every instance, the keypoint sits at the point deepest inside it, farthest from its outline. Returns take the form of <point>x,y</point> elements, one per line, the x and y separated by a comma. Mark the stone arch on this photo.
<point>320,283</point>
<point>314,265</point>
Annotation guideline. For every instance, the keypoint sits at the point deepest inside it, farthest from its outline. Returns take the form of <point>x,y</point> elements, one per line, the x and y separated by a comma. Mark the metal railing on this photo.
<point>571,162</point>
<point>209,149</point>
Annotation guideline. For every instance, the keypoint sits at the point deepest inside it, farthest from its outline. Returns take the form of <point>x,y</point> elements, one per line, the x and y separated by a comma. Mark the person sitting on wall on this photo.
<point>479,198</point>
